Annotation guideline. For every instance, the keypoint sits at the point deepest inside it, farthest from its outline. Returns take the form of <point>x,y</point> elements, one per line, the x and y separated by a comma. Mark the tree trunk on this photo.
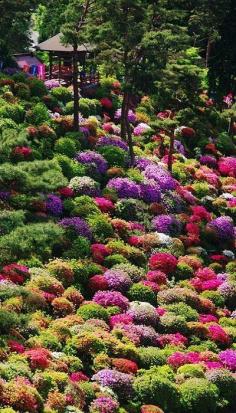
<point>75,89</point>
<point>171,150</point>
<point>123,115</point>
<point>128,129</point>
<point>208,52</point>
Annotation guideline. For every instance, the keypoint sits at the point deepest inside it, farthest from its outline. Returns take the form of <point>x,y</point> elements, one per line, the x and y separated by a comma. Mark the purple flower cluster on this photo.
<point>78,225</point>
<point>143,313</point>
<point>208,160</point>
<point>120,383</point>
<point>5,195</point>
<point>167,224</point>
<point>161,176</point>
<point>179,147</point>
<point>228,358</point>
<point>150,191</point>
<point>104,404</point>
<point>111,298</point>
<point>223,227</point>
<point>118,280</point>
<point>94,158</point>
<point>143,163</point>
<point>54,205</point>
<point>131,116</point>
<point>110,141</point>
<point>125,188</point>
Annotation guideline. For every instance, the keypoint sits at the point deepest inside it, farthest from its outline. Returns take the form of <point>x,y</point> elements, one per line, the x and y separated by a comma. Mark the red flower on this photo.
<point>66,192</point>
<point>78,376</point>
<point>39,358</point>
<point>106,103</point>
<point>24,151</point>
<point>97,283</point>
<point>163,261</point>
<point>15,346</point>
<point>125,366</point>
<point>158,277</point>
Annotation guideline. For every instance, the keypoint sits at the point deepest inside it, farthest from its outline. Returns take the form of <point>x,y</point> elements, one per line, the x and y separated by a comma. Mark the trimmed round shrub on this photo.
<point>114,155</point>
<point>151,387</point>
<point>92,310</point>
<point>141,292</point>
<point>198,395</point>
<point>66,146</point>
<point>62,94</point>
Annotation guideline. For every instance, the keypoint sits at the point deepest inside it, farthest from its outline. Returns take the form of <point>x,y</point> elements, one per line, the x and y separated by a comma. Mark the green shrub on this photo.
<point>141,292</point>
<point>38,114</point>
<point>171,323</point>
<point>184,310</point>
<point>22,91</point>
<point>16,365</point>
<point>226,384</point>
<point>66,146</point>
<point>9,140</point>
<point>191,370</point>
<point>183,271</point>
<point>8,320</point>
<point>70,168</point>
<point>153,388</point>
<point>12,111</point>
<point>114,259</point>
<point>80,248</point>
<point>198,395</point>
<point>153,356</point>
<point>37,87</point>
<point>101,227</point>
<point>62,94</point>
<point>84,206</point>
<point>215,297</point>
<point>31,240</point>
<point>136,273</point>
<point>114,156</point>
<point>9,220</point>
<point>43,176</point>
<point>92,310</point>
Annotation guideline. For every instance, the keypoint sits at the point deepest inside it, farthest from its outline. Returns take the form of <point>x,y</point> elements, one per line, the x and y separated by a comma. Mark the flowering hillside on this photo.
<point>117,281</point>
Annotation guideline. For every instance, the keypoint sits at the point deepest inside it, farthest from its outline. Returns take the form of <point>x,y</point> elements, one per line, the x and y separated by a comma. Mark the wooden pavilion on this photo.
<point>61,60</point>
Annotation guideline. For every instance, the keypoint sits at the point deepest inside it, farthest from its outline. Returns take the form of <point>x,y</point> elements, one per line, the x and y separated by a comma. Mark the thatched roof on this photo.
<point>54,44</point>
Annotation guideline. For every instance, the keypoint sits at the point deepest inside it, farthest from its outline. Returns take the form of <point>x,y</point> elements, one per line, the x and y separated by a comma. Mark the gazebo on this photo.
<point>63,55</point>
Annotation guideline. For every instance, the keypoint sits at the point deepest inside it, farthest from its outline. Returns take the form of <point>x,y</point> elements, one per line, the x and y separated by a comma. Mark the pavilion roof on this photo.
<point>54,44</point>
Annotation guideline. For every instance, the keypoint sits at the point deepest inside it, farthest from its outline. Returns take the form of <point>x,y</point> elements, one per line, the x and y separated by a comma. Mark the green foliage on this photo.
<point>114,156</point>
<point>69,167</point>
<point>14,112</point>
<point>62,94</point>
<point>152,387</point>
<point>38,114</point>
<point>184,310</point>
<point>9,220</point>
<point>66,146</point>
<point>37,87</point>
<point>83,206</point>
<point>101,227</point>
<point>141,292</point>
<point>33,239</point>
<point>191,370</point>
<point>80,248</point>
<point>92,310</point>
<point>8,320</point>
<point>198,394</point>
<point>11,138</point>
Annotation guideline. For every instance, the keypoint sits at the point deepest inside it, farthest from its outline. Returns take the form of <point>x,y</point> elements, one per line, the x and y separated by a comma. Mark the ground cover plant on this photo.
<point>118,280</point>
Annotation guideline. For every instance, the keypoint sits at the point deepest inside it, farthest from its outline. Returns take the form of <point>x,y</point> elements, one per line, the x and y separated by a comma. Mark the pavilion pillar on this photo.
<point>50,65</point>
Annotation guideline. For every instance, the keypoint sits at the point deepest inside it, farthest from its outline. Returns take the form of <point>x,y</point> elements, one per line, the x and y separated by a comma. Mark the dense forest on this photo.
<point>118,207</point>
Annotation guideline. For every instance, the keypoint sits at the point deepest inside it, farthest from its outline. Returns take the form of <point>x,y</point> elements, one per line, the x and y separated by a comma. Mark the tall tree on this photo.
<point>76,15</point>
<point>49,18</point>
<point>15,25</point>
<point>128,38</point>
